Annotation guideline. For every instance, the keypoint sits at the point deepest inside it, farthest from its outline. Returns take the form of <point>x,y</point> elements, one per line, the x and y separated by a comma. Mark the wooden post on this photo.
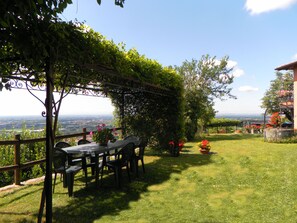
<point>17,160</point>
<point>84,133</point>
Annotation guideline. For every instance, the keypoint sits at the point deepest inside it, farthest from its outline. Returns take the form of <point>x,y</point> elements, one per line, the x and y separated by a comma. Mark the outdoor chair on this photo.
<point>83,141</point>
<point>129,136</point>
<point>85,163</point>
<point>73,159</point>
<point>122,159</point>
<point>139,156</point>
<point>61,145</point>
<point>60,166</point>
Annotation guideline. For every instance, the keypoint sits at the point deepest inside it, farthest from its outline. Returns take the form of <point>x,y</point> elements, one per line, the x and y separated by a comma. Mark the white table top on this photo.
<point>90,148</point>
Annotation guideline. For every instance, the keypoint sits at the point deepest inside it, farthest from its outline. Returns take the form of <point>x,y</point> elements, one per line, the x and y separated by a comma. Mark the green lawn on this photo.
<point>245,180</point>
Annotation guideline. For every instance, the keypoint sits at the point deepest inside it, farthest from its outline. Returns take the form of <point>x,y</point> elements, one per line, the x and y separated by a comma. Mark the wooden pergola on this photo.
<point>292,66</point>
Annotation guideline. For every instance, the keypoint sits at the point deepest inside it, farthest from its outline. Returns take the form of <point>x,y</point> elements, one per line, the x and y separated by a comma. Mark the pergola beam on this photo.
<point>118,83</point>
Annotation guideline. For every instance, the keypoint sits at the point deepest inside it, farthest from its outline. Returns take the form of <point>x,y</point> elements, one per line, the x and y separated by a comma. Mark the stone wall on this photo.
<point>277,134</point>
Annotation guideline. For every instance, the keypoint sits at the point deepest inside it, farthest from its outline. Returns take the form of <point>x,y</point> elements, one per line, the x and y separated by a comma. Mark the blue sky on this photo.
<point>257,35</point>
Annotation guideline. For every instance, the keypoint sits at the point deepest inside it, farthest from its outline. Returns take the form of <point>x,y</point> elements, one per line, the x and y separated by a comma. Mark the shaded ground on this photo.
<point>246,180</point>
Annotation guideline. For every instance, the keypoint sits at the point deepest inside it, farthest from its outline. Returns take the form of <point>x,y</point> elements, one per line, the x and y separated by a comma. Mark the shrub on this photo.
<point>29,152</point>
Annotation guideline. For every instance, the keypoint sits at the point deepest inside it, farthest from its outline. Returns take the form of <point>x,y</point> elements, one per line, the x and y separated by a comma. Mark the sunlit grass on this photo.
<point>245,180</point>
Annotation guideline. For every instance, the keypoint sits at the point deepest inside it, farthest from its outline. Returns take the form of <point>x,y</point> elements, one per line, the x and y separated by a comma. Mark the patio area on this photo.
<point>238,183</point>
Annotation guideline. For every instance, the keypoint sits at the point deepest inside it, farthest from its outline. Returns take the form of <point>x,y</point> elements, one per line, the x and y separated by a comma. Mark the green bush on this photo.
<point>29,152</point>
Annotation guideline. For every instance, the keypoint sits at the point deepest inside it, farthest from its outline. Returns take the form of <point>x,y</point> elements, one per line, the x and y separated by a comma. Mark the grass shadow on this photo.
<point>91,203</point>
<point>23,196</point>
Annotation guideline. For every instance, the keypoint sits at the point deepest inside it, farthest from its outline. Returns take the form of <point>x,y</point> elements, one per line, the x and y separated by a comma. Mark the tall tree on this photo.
<point>279,96</point>
<point>204,81</point>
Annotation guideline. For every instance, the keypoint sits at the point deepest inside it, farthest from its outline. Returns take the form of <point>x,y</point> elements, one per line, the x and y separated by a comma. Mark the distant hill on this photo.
<point>75,123</point>
<point>68,124</point>
<point>241,116</point>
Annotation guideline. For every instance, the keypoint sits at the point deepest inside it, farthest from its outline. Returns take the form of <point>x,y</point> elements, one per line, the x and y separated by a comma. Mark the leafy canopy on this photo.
<point>272,100</point>
<point>82,58</point>
<point>204,80</point>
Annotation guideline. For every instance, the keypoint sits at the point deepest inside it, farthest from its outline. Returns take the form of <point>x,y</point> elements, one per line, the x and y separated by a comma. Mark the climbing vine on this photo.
<point>83,58</point>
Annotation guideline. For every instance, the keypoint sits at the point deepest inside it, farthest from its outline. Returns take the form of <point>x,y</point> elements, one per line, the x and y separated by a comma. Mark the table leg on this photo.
<point>96,168</point>
<point>85,168</point>
<point>64,180</point>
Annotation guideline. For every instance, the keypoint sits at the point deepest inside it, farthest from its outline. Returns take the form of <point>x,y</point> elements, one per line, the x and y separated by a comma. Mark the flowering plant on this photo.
<point>275,119</point>
<point>253,128</point>
<point>103,134</point>
<point>179,145</point>
<point>204,145</point>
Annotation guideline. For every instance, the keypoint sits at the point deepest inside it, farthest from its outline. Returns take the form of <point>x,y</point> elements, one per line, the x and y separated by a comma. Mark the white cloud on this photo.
<point>231,63</point>
<point>247,89</point>
<point>237,72</point>
<point>261,6</point>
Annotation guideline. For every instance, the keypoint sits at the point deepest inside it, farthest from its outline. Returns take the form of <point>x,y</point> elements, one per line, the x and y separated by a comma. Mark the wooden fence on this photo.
<point>17,142</point>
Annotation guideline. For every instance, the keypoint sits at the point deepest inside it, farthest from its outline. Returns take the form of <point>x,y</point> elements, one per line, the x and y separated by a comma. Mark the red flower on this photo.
<point>204,143</point>
<point>275,119</point>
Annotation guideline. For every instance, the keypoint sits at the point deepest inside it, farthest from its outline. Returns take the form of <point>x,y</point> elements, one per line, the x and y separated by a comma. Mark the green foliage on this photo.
<point>204,80</point>
<point>84,58</point>
<point>271,99</point>
<point>222,125</point>
<point>225,129</point>
<point>32,10</point>
<point>158,118</point>
<point>29,152</point>
<point>219,122</point>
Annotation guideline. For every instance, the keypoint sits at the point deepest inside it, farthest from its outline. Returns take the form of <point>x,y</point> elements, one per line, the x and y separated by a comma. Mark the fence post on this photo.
<point>84,133</point>
<point>17,160</point>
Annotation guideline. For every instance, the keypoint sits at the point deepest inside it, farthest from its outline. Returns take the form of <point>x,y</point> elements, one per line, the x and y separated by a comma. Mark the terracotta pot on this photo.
<point>204,151</point>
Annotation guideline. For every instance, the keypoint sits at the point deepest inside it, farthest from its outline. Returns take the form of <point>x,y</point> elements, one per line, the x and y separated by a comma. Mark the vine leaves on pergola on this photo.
<point>45,53</point>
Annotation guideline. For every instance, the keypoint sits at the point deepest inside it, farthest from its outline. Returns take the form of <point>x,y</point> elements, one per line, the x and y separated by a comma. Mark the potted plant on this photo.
<point>103,134</point>
<point>204,146</point>
<point>175,147</point>
<point>181,144</point>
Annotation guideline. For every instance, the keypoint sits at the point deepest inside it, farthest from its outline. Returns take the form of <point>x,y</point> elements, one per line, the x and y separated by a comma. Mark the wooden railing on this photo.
<point>17,142</point>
